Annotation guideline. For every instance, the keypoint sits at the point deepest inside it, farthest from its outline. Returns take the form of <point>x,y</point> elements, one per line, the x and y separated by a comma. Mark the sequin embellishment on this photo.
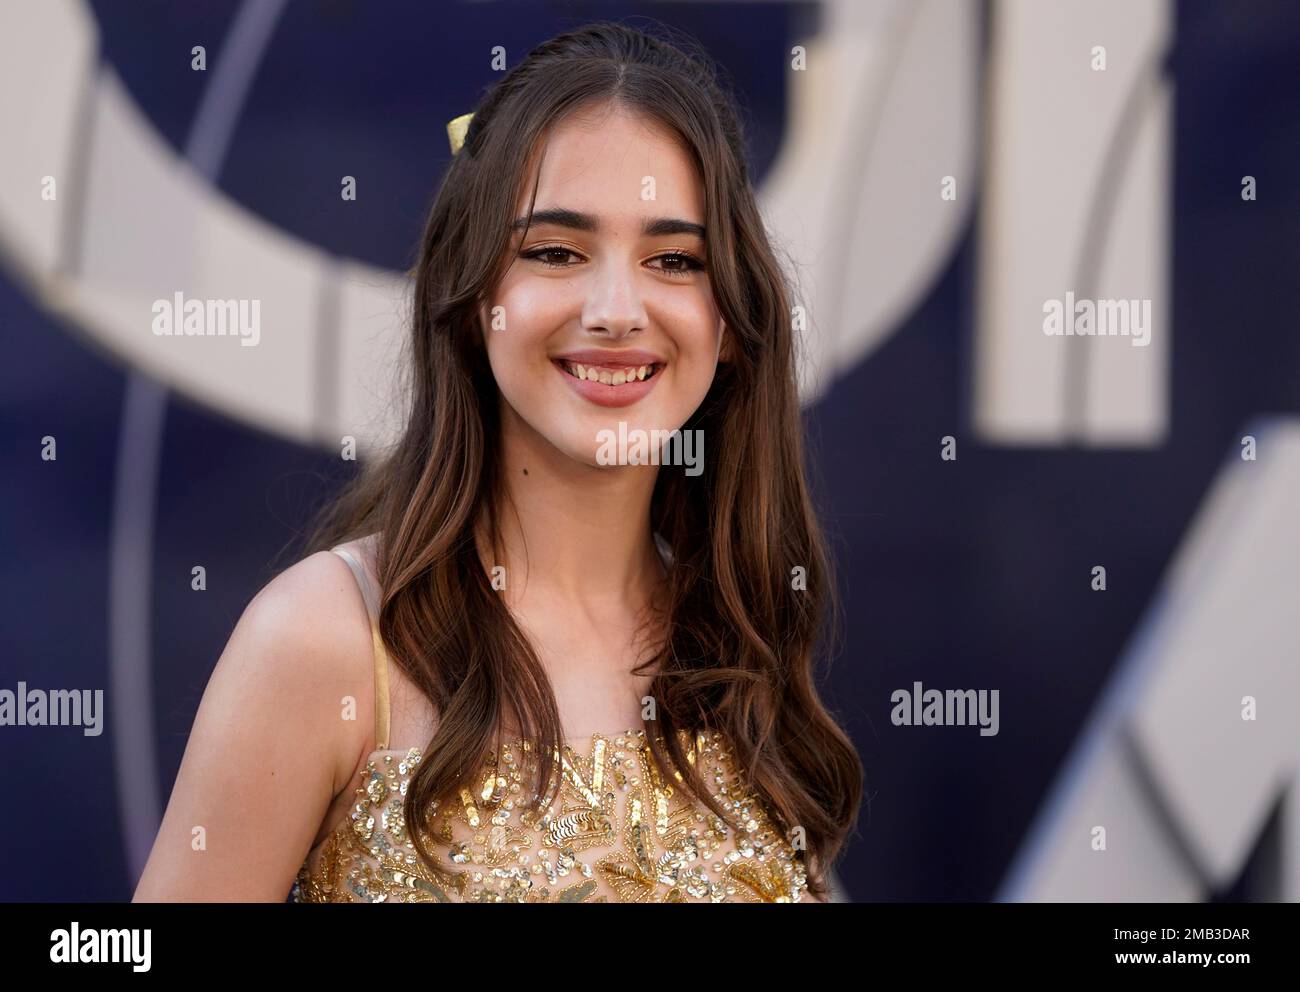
<point>615,831</point>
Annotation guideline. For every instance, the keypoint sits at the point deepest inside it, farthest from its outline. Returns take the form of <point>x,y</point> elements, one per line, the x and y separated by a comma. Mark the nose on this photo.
<point>614,307</point>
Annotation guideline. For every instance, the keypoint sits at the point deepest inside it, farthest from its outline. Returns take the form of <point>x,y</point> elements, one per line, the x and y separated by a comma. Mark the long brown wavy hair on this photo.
<point>738,644</point>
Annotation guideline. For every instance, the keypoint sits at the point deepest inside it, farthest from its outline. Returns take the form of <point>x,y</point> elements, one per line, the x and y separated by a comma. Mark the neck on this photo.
<point>570,529</point>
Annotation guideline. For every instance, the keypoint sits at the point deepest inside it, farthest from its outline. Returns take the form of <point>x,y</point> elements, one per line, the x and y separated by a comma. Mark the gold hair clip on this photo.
<point>457,128</point>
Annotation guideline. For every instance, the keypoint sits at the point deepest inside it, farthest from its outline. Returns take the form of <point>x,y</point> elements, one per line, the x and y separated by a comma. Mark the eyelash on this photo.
<point>693,263</point>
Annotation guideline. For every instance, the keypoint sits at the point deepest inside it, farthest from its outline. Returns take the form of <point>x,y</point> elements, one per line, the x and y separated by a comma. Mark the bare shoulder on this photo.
<point>276,737</point>
<point>309,632</point>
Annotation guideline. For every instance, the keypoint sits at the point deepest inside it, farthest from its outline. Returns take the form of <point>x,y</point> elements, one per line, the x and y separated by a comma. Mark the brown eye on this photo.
<point>541,255</point>
<point>683,263</point>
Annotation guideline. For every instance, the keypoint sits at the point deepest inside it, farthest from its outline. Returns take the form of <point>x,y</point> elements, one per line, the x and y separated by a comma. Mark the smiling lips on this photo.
<point>610,378</point>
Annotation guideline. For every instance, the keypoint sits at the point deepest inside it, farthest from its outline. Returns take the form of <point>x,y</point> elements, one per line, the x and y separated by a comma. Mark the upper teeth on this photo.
<point>609,377</point>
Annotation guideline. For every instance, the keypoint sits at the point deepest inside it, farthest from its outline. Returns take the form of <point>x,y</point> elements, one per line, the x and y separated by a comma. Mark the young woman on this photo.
<point>589,660</point>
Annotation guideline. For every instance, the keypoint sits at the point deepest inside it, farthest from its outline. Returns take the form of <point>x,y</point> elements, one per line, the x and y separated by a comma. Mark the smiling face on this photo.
<point>607,308</point>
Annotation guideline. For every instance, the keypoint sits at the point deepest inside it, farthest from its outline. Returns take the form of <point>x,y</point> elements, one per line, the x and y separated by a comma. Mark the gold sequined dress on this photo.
<point>616,830</point>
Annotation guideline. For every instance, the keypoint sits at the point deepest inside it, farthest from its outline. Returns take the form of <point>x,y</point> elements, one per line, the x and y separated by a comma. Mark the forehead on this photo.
<point>599,160</point>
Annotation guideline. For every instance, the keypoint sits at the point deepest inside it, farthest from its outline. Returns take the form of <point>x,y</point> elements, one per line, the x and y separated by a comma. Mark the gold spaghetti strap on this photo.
<point>371,598</point>
<point>381,690</point>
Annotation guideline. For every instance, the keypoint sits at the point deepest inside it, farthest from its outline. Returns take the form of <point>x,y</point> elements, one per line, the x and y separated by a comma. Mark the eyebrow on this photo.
<point>651,228</point>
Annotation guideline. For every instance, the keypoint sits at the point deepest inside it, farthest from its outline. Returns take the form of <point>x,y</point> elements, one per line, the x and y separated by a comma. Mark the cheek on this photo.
<point>516,335</point>
<point>532,308</point>
<point>698,339</point>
